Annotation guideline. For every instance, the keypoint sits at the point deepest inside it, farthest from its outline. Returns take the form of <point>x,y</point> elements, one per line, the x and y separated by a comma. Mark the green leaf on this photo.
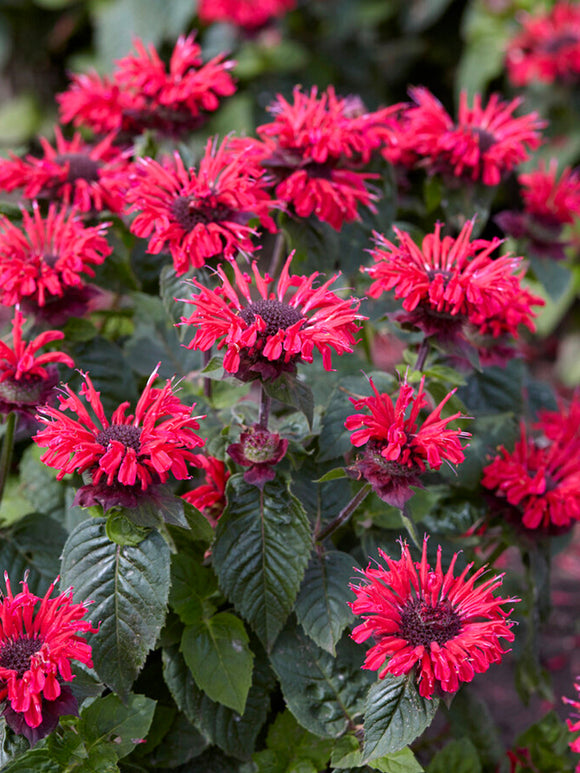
<point>260,553</point>
<point>129,586</point>
<point>37,760</point>
<point>555,277</point>
<point>346,753</point>
<point>289,390</point>
<point>548,744</point>
<point>217,653</point>
<point>107,367</point>
<point>460,756</point>
<point>123,531</point>
<point>322,603</point>
<point>495,390</point>
<point>335,474</point>
<point>403,761</point>
<point>470,716</point>
<point>109,720</point>
<point>395,715</point>
<point>324,693</point>
<point>39,484</point>
<point>292,748</point>
<point>192,587</point>
<point>178,746</point>
<point>322,501</point>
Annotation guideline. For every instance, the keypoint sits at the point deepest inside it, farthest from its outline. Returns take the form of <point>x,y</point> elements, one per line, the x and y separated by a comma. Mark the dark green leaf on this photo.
<point>495,390</point>
<point>109,720</point>
<point>39,484</point>
<point>548,744</point>
<point>107,367</point>
<point>123,531</point>
<point>336,474</point>
<point>289,390</point>
<point>292,748</point>
<point>395,715</point>
<point>129,586</point>
<point>322,501</point>
<point>460,756</point>
<point>192,587</point>
<point>470,717</point>
<point>179,745</point>
<point>260,553</point>
<point>553,275</point>
<point>321,605</point>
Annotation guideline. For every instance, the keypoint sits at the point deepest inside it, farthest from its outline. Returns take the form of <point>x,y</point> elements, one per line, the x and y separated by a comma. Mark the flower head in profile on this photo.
<point>267,335</point>
<point>397,446</point>
<point>449,283</point>
<point>243,13</point>
<point>123,457</point>
<point>87,177</point>
<point>144,93</point>
<point>27,378</point>
<point>43,263</point>
<point>444,627</point>
<point>39,638</point>
<point>574,721</point>
<point>547,48</point>
<point>260,450</point>
<point>540,478</point>
<point>210,497</point>
<point>483,144</point>
<point>202,213</point>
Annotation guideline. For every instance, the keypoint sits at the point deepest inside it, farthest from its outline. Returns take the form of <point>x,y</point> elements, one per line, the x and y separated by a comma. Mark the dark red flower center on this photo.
<point>189,212</point>
<point>559,42</point>
<point>261,446</point>
<point>15,654</point>
<point>126,434</point>
<point>423,623</point>
<point>276,315</point>
<point>486,139</point>
<point>27,390</point>
<point>50,259</point>
<point>81,166</point>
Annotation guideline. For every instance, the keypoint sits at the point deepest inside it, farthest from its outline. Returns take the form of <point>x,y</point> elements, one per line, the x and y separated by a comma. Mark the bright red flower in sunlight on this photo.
<point>39,637</point>
<point>126,455</point>
<point>48,258</point>
<point>315,147</point>
<point>548,47</point>
<point>447,628</point>
<point>210,497</point>
<point>243,13</point>
<point>574,722</point>
<point>267,336</point>
<point>484,144</point>
<point>27,379</point>
<point>396,449</point>
<point>200,213</point>
<point>143,93</point>
<point>449,282</point>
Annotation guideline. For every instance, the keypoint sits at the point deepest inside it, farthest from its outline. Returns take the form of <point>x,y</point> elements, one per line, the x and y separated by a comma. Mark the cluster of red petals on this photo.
<point>87,177</point>
<point>484,144</point>
<point>143,93</point>
<point>243,13</point>
<point>574,722</point>
<point>137,449</point>
<point>541,476</point>
<point>200,213</point>
<point>552,198</point>
<point>447,628</point>
<point>47,632</point>
<point>260,450</point>
<point>316,145</point>
<point>263,337</point>
<point>547,48</point>
<point>451,281</point>
<point>48,255</point>
<point>210,497</point>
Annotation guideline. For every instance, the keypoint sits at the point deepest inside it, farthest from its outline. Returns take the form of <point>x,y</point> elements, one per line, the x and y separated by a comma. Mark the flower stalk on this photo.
<point>7,449</point>
<point>344,514</point>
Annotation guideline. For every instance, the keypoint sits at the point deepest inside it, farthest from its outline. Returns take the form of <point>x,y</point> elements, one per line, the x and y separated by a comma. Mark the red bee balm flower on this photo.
<point>200,214</point>
<point>396,450</point>
<point>210,497</point>
<point>243,13</point>
<point>268,336</point>
<point>449,282</point>
<point>124,456</point>
<point>27,379</point>
<point>88,177</point>
<point>574,722</point>
<point>548,47</point>
<point>260,450</point>
<point>445,627</point>
<point>39,637</point>
<point>143,94</point>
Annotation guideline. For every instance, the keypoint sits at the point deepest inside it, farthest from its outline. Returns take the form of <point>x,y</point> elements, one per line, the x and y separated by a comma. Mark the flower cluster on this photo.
<point>396,449</point>
<point>200,213</point>
<point>541,476</point>
<point>547,48</point>
<point>39,637</point>
<point>243,13</point>
<point>142,93</point>
<point>447,628</point>
<point>267,336</point>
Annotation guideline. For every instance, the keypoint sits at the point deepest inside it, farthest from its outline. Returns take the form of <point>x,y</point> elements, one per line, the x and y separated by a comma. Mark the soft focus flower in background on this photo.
<point>574,722</point>
<point>447,628</point>
<point>243,13</point>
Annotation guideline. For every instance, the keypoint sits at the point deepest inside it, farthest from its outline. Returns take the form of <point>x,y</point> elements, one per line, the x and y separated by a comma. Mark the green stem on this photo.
<point>7,448</point>
<point>344,514</point>
<point>277,253</point>
<point>422,354</point>
<point>409,525</point>
<point>207,385</point>
<point>265,403</point>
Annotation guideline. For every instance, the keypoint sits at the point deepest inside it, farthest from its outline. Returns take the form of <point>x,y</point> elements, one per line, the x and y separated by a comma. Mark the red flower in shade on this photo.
<point>27,379</point>
<point>484,144</point>
<point>210,497</point>
<point>243,13</point>
<point>39,637</point>
<point>449,282</point>
<point>315,146</point>
<point>45,259</point>
<point>260,450</point>
<point>548,47</point>
<point>574,722</point>
<point>203,213</point>
<point>143,93</point>
<point>447,628</point>
<point>125,456</point>
<point>541,476</point>
<point>396,449</point>
<point>87,177</point>
<point>268,336</point>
